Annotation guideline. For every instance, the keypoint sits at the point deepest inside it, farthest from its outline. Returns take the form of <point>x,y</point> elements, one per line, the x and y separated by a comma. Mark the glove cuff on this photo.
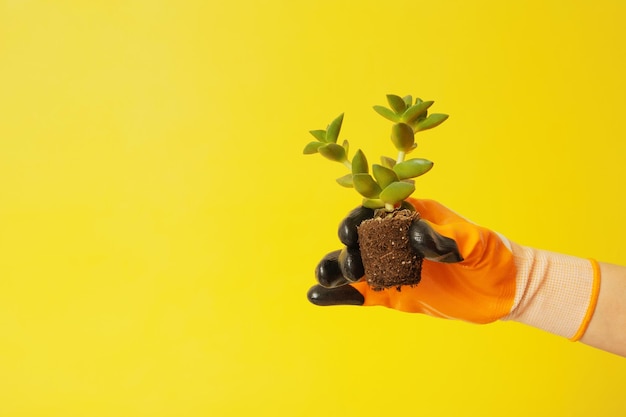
<point>554,292</point>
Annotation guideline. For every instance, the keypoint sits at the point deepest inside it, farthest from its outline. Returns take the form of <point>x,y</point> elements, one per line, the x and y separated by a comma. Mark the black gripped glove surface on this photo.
<point>341,267</point>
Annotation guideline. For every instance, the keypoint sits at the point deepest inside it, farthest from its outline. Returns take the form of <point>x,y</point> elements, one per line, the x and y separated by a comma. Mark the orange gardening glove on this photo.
<point>488,279</point>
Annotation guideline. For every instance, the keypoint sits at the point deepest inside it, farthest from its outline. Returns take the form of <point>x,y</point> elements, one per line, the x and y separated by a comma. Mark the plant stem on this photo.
<point>401,155</point>
<point>389,207</point>
<point>347,164</point>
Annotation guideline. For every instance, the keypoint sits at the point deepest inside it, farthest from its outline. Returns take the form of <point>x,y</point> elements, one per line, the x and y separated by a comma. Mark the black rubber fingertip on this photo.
<point>351,264</point>
<point>345,295</point>
<point>432,245</point>
<point>348,228</point>
<point>328,272</point>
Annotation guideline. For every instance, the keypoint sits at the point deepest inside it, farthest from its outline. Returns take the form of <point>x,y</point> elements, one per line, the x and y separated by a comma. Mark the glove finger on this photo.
<point>348,227</point>
<point>351,264</point>
<point>345,295</point>
<point>339,268</point>
<point>360,294</point>
<point>328,272</point>
<point>432,245</point>
<point>471,241</point>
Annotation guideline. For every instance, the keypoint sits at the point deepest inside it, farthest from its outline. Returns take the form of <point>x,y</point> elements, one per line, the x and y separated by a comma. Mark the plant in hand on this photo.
<point>388,258</point>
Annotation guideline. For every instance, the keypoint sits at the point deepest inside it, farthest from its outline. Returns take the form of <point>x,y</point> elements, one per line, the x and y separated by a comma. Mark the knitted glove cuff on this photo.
<point>554,292</point>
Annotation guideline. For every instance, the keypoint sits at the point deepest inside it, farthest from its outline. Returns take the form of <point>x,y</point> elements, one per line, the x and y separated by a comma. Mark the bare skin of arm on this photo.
<point>607,328</point>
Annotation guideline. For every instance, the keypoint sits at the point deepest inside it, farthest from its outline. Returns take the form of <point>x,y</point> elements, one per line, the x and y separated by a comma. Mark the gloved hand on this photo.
<point>469,273</point>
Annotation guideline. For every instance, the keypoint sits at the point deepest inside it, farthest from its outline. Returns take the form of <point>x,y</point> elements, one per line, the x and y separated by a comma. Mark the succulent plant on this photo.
<point>388,184</point>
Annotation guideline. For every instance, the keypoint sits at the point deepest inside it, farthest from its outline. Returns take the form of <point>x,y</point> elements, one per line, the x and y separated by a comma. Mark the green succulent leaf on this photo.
<point>412,168</point>
<point>431,121</point>
<point>390,182</point>
<point>373,203</point>
<point>387,113</point>
<point>312,147</point>
<point>332,133</point>
<point>415,111</point>
<point>346,146</point>
<point>333,152</point>
<point>412,148</point>
<point>319,135</point>
<point>387,162</point>
<point>384,176</point>
<point>402,136</point>
<point>359,163</point>
<point>397,103</point>
<point>396,192</point>
<point>365,185</point>
<point>346,181</point>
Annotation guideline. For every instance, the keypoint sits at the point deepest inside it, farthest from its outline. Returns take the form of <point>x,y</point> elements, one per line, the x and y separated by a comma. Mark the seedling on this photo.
<point>385,187</point>
<point>388,184</point>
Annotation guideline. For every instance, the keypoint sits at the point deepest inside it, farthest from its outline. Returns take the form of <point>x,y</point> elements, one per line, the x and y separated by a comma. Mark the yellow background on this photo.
<point>159,225</point>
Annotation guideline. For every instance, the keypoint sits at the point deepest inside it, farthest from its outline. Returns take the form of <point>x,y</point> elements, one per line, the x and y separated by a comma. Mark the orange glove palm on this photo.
<point>479,289</point>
